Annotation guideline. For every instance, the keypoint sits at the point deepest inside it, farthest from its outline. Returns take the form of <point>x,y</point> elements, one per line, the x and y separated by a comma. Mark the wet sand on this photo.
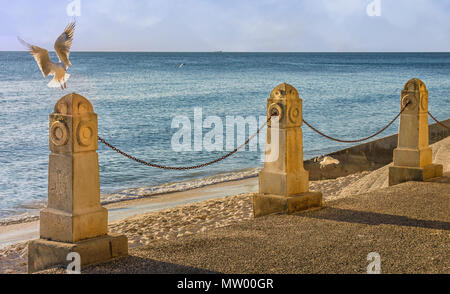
<point>19,232</point>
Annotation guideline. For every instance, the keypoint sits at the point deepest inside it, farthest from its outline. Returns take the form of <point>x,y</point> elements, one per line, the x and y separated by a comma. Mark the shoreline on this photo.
<point>16,232</point>
<point>131,194</point>
<point>132,207</point>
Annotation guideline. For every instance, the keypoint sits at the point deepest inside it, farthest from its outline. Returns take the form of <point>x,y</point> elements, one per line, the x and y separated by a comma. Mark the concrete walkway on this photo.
<point>408,225</point>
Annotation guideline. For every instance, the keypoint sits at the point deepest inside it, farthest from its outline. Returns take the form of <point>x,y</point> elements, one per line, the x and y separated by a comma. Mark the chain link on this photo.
<point>182,167</point>
<point>438,122</point>
<point>359,140</point>
<point>248,141</point>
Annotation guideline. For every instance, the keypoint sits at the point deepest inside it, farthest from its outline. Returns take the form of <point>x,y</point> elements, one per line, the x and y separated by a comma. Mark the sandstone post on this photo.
<point>283,182</point>
<point>413,155</point>
<point>74,220</point>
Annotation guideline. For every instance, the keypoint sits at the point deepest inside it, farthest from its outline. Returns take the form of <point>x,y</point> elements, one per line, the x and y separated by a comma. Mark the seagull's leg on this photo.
<point>65,85</point>
<point>62,88</point>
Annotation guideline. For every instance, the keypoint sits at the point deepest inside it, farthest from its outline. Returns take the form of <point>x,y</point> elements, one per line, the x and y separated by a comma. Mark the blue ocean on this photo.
<point>137,95</point>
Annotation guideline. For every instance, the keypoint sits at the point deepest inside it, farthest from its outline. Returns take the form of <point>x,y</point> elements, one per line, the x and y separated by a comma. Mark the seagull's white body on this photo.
<point>58,71</point>
<point>48,67</point>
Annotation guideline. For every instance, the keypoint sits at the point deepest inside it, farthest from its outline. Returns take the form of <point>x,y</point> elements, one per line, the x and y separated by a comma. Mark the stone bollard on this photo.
<point>74,220</point>
<point>283,182</point>
<point>413,155</point>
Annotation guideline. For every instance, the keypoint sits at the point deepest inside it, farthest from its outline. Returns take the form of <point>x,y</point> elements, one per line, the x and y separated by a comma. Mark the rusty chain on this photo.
<point>244,144</point>
<point>438,122</point>
<point>183,167</point>
<point>359,140</point>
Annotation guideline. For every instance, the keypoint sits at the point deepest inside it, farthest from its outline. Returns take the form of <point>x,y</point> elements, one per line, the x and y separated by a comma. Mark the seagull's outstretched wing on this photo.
<point>63,44</point>
<point>41,56</point>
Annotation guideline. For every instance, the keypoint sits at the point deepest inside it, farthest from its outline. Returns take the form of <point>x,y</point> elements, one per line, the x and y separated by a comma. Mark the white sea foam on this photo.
<point>135,193</point>
<point>20,218</point>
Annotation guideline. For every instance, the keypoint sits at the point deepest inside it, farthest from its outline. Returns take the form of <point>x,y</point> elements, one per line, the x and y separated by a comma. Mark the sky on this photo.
<point>231,25</point>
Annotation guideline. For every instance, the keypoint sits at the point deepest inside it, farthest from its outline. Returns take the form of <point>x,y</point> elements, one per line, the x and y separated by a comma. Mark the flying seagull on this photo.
<point>48,67</point>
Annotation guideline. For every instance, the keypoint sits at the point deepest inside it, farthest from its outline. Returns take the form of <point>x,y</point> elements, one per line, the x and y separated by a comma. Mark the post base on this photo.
<point>400,174</point>
<point>283,183</point>
<point>265,204</point>
<point>62,226</point>
<point>43,254</point>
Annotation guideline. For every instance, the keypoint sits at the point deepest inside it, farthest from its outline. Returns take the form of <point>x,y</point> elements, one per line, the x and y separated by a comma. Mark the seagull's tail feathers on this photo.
<point>54,83</point>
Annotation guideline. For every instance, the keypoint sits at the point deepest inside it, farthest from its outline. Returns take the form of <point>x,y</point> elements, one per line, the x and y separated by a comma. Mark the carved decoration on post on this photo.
<point>283,182</point>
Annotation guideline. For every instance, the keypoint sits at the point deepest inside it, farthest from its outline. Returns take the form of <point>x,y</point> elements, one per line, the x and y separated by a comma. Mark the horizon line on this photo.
<point>218,51</point>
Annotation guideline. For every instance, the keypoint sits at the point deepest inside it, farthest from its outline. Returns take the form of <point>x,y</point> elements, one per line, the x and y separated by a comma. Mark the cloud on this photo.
<point>233,25</point>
